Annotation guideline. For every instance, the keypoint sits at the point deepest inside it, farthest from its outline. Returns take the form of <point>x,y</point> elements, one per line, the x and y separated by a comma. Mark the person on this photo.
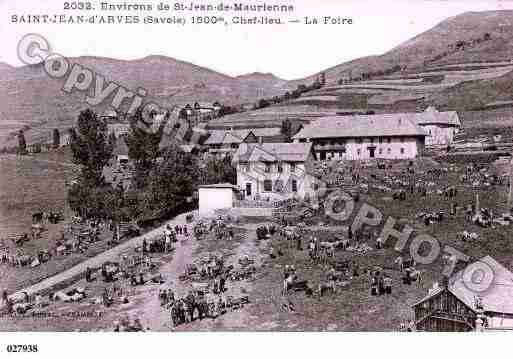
<point>144,246</point>
<point>167,245</point>
<point>88,274</point>
<point>379,243</point>
<point>222,282</point>
<point>387,281</point>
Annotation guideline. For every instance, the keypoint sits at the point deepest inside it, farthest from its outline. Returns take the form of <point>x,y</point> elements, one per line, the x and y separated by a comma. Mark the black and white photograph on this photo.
<point>255,167</point>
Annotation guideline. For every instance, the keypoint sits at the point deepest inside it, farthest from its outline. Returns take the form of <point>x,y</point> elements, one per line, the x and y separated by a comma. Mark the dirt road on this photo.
<point>97,261</point>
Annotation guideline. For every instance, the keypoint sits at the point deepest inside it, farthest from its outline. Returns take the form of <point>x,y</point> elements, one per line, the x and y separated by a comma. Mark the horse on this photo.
<point>328,286</point>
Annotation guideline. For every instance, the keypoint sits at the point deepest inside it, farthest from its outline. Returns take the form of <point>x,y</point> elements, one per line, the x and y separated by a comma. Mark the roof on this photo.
<point>188,148</point>
<point>273,152</point>
<point>220,185</point>
<point>237,136</point>
<point>497,298</point>
<point>220,137</point>
<point>384,125</point>
<point>431,116</point>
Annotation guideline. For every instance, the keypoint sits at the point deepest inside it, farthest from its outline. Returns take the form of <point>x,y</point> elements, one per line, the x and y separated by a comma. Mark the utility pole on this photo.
<point>510,183</point>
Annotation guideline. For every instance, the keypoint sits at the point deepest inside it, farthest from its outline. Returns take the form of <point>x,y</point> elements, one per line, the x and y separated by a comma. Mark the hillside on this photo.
<point>30,99</point>
<point>438,40</point>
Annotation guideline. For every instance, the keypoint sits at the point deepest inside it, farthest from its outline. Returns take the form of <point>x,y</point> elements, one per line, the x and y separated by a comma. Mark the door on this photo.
<point>248,189</point>
<point>323,156</point>
<point>372,151</point>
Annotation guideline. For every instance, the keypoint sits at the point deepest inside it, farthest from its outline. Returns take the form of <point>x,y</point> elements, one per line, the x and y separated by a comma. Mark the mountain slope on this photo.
<point>30,98</point>
<point>467,27</point>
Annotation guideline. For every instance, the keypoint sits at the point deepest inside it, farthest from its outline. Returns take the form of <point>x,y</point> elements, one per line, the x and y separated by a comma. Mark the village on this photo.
<point>363,198</point>
<point>266,243</point>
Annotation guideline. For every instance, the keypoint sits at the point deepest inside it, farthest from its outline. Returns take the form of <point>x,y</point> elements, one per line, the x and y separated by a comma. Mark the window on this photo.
<point>280,168</point>
<point>294,185</point>
<point>371,140</point>
<point>358,152</point>
<point>292,167</point>
<point>389,140</point>
<point>380,151</point>
<point>402,151</point>
<point>268,185</point>
<point>278,186</point>
<point>267,167</point>
<point>380,140</point>
<point>359,140</point>
<point>402,139</point>
<point>389,151</point>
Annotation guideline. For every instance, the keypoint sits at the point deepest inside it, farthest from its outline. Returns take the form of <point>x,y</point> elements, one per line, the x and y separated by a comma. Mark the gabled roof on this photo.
<point>385,125</point>
<point>498,298</point>
<point>237,136</point>
<point>273,152</point>
<point>431,116</point>
<point>218,137</point>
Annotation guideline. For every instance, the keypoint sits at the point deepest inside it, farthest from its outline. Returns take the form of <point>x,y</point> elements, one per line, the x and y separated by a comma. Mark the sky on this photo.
<point>290,51</point>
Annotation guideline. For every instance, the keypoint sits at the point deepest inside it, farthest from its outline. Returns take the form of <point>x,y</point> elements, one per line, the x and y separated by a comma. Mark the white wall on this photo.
<point>412,147</point>
<point>255,174</point>
<point>439,135</point>
<point>211,199</point>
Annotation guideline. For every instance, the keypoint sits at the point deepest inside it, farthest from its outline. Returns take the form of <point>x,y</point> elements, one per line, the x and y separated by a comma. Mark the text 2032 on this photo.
<point>78,6</point>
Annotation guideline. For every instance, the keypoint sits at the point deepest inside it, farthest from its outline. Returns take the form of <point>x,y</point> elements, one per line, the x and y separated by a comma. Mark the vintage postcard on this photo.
<point>258,166</point>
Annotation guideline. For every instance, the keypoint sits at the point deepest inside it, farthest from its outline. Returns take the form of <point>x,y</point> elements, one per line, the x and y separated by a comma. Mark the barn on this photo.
<point>455,307</point>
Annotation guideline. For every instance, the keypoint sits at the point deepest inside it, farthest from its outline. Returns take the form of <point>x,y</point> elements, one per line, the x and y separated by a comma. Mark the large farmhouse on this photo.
<point>388,136</point>
<point>454,306</point>
<point>275,170</point>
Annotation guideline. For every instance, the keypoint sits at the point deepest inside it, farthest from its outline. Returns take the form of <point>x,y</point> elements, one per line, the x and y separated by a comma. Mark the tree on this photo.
<point>219,171</point>
<point>172,182</point>
<point>487,36</point>
<point>286,129</point>
<point>22,144</point>
<point>262,103</point>
<point>302,88</point>
<point>112,139</point>
<point>143,147</point>
<point>56,138</point>
<point>90,147</point>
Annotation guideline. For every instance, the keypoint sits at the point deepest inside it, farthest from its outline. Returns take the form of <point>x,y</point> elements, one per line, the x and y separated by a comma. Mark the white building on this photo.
<point>361,137</point>
<point>216,196</point>
<point>440,127</point>
<point>275,170</point>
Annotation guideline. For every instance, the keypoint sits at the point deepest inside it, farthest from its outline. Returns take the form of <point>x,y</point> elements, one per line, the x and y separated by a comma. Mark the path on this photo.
<point>96,261</point>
